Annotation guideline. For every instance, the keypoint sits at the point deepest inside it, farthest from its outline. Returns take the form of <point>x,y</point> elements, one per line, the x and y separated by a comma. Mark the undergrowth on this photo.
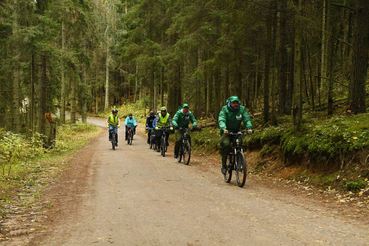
<point>24,161</point>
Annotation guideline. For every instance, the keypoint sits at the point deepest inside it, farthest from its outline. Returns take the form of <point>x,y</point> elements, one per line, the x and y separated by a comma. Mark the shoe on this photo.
<point>148,141</point>
<point>116,145</point>
<point>167,144</point>
<point>223,170</point>
<point>158,150</point>
<point>175,156</point>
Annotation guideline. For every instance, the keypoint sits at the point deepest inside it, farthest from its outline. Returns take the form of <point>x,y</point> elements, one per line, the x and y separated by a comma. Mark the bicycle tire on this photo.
<point>179,158</point>
<point>241,169</point>
<point>130,143</point>
<point>162,146</point>
<point>186,153</point>
<point>228,174</point>
<point>151,145</point>
<point>113,140</point>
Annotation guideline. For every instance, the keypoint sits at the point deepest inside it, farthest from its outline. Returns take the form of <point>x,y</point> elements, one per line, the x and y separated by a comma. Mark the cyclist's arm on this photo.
<point>175,119</point>
<point>246,120</point>
<point>107,122</point>
<point>170,121</point>
<point>156,121</point>
<point>118,121</point>
<point>193,120</point>
<point>222,121</point>
<point>147,122</point>
<point>134,121</point>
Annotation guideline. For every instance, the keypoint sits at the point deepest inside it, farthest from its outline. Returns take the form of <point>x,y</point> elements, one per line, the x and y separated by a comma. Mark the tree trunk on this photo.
<point>283,59</point>
<point>73,101</point>
<point>62,99</point>
<point>324,55</point>
<point>297,92</point>
<point>268,54</point>
<point>42,97</point>
<point>107,75</point>
<point>274,15</point>
<point>84,91</point>
<point>16,76</point>
<point>331,75</point>
<point>360,57</point>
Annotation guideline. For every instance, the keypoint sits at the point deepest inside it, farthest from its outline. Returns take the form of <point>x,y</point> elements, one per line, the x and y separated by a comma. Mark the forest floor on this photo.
<point>133,196</point>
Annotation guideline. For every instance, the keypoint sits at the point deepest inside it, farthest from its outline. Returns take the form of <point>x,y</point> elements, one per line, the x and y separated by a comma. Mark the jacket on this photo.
<point>231,119</point>
<point>130,122</point>
<point>182,120</point>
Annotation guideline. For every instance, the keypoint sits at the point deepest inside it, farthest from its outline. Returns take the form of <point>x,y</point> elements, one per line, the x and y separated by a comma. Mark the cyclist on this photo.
<point>130,122</point>
<point>149,120</point>
<point>163,119</point>
<point>230,118</point>
<point>181,119</point>
<point>113,122</point>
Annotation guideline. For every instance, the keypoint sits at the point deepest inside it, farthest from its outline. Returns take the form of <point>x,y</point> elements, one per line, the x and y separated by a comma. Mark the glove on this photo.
<point>250,131</point>
<point>225,131</point>
<point>156,128</point>
<point>147,128</point>
<point>118,126</point>
<point>107,126</point>
<point>171,128</point>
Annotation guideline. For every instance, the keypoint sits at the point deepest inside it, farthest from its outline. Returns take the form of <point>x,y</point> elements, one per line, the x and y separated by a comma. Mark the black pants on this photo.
<point>158,135</point>
<point>148,136</point>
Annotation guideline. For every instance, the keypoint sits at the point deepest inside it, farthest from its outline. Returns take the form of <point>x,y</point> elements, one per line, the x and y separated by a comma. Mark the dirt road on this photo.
<point>133,196</point>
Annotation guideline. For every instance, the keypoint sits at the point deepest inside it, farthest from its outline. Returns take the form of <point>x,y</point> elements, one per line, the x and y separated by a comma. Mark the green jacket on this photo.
<point>231,119</point>
<point>182,120</point>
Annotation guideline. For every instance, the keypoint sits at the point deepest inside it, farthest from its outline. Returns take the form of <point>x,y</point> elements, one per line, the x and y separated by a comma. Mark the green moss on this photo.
<point>356,186</point>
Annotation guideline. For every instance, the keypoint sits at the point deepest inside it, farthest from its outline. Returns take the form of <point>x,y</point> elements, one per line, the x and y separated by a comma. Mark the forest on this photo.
<point>281,57</point>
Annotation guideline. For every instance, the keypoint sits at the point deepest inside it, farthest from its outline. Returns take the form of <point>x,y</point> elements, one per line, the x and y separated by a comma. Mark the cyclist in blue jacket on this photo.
<point>130,122</point>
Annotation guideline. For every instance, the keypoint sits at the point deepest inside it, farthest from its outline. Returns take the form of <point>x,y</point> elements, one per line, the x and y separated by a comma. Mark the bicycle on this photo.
<point>236,160</point>
<point>185,148</point>
<point>113,136</point>
<point>152,144</point>
<point>163,142</point>
<point>129,136</point>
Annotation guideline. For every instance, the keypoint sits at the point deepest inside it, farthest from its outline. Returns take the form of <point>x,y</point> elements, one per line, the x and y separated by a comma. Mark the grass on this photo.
<point>30,173</point>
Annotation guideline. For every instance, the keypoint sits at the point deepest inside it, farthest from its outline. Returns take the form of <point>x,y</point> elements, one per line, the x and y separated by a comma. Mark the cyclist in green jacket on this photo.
<point>181,119</point>
<point>230,118</point>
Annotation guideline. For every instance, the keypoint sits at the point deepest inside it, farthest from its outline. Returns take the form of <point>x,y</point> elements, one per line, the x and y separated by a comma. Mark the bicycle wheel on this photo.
<point>113,140</point>
<point>151,144</point>
<point>186,153</point>
<point>228,174</point>
<point>162,146</point>
<point>241,170</point>
<point>130,143</point>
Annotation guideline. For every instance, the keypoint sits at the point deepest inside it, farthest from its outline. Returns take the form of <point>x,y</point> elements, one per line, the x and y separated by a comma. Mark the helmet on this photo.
<point>130,114</point>
<point>234,98</point>
<point>152,112</point>
<point>114,111</point>
<point>163,109</point>
<point>185,105</point>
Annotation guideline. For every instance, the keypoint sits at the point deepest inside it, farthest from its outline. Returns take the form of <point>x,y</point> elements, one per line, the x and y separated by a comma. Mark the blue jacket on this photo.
<point>130,122</point>
<point>153,123</point>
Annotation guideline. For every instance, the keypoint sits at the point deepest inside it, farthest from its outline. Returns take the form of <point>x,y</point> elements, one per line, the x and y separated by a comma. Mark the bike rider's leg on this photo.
<point>157,139</point>
<point>116,135</point>
<point>126,133</point>
<point>167,137</point>
<point>148,137</point>
<point>178,135</point>
<point>225,148</point>
<point>110,127</point>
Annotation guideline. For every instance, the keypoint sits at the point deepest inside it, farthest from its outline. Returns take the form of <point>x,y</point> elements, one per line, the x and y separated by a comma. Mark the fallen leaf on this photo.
<point>354,138</point>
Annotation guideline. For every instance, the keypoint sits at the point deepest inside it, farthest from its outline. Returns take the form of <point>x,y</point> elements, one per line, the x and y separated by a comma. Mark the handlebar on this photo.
<point>188,128</point>
<point>238,133</point>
